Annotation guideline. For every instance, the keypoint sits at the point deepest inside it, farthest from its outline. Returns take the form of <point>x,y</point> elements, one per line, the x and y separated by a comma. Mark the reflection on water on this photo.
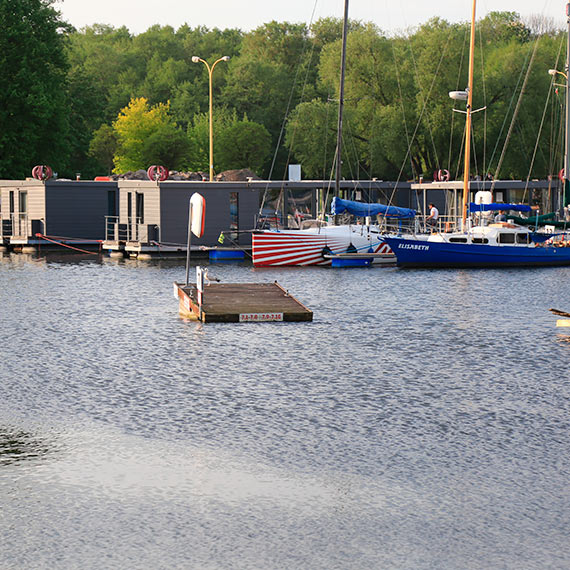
<point>421,421</point>
<point>17,445</point>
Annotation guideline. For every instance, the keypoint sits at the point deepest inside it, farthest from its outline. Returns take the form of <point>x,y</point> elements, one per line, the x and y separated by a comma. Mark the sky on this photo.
<point>390,15</point>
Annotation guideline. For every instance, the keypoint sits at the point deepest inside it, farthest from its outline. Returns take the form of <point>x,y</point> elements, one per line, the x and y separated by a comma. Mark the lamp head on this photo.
<point>458,95</point>
<point>226,58</point>
<point>195,59</point>
<point>552,72</point>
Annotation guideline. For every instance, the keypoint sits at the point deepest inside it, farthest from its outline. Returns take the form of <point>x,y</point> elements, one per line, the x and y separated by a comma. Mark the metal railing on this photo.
<point>134,230</point>
<point>20,225</point>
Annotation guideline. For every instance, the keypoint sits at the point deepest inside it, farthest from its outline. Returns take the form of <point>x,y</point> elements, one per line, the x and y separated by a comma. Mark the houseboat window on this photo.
<point>22,202</point>
<point>12,201</point>
<point>111,202</point>
<point>129,205</point>
<point>458,239</point>
<point>506,238</point>
<point>480,240</point>
<point>139,207</point>
<point>234,215</point>
<point>522,238</point>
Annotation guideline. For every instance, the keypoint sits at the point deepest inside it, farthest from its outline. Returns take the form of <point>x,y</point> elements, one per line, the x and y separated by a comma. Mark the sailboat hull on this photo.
<point>424,253</point>
<point>315,246</point>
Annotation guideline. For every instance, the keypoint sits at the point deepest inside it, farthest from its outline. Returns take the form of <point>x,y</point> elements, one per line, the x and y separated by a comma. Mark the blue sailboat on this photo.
<point>501,244</point>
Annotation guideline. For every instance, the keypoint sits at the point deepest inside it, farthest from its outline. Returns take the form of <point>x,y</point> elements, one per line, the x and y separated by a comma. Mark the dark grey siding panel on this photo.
<point>248,210</point>
<point>174,201</point>
<point>77,209</point>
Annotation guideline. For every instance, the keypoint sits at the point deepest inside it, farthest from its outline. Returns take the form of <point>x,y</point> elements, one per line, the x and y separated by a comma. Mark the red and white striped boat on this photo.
<point>310,246</point>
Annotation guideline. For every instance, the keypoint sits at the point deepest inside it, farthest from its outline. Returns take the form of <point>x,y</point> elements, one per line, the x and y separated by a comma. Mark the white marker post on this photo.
<point>200,289</point>
<point>196,225</point>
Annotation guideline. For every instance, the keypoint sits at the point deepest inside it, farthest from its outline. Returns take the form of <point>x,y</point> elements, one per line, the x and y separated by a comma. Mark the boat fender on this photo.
<point>561,174</point>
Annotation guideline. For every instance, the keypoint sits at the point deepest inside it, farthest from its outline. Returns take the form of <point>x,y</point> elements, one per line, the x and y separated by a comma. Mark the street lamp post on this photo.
<point>210,69</point>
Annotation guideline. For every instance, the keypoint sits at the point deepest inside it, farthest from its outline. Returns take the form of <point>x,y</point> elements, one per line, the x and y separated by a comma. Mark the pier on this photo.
<point>240,302</point>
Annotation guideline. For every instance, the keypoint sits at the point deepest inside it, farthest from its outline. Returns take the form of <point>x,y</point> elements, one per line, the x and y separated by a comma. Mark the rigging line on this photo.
<point>515,113</point>
<point>326,129</point>
<point>554,137</point>
<point>396,67</point>
<point>466,35</point>
<point>354,151</point>
<point>408,153</point>
<point>538,137</point>
<point>291,92</point>
<point>507,114</point>
<point>484,89</point>
<point>428,122</point>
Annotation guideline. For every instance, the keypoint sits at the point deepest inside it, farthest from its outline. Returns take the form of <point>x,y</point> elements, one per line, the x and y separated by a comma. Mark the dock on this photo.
<point>240,302</point>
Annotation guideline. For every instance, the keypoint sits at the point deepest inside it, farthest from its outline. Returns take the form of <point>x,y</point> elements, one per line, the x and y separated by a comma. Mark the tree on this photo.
<point>33,66</point>
<point>237,143</point>
<point>146,133</point>
<point>244,144</point>
<point>103,147</point>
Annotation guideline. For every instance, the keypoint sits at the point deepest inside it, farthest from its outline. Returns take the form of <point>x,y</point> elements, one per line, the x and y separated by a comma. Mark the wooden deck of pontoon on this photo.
<point>242,302</point>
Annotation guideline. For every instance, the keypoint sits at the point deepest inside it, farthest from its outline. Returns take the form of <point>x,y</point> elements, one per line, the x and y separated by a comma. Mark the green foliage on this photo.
<point>237,143</point>
<point>33,116</point>
<point>276,100</point>
<point>148,135</point>
<point>244,144</point>
<point>103,147</point>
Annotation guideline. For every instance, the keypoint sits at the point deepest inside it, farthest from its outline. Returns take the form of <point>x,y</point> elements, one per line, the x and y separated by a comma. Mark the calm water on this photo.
<point>421,421</point>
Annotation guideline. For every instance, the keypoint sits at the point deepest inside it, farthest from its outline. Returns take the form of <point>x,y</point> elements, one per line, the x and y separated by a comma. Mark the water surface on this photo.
<point>421,420</point>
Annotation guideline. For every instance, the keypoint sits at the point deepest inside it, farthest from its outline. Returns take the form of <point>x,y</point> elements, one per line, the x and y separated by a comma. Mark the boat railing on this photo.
<point>115,231</point>
<point>20,226</point>
<point>5,227</point>
<point>145,233</point>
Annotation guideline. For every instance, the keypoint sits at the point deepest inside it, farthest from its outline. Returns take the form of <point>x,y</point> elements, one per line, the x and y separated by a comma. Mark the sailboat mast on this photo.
<point>341,101</point>
<point>566,192</point>
<point>468,119</point>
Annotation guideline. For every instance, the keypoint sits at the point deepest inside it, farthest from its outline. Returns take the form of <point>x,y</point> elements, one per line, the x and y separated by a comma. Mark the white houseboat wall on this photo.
<point>45,213</point>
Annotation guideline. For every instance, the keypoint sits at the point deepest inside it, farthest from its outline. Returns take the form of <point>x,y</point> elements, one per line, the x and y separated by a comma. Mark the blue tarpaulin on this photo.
<point>340,206</point>
<point>494,207</point>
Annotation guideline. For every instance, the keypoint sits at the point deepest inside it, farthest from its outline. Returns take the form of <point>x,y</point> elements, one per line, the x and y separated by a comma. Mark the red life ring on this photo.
<point>42,172</point>
<point>441,175</point>
<point>157,173</point>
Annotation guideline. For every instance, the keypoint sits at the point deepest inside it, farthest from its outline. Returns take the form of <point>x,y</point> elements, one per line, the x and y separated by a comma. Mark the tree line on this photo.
<point>101,100</point>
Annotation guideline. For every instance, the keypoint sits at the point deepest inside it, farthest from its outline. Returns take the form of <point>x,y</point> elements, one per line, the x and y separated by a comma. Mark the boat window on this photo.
<point>506,238</point>
<point>234,215</point>
<point>139,207</point>
<point>480,240</point>
<point>111,202</point>
<point>522,238</point>
<point>23,202</point>
<point>458,239</point>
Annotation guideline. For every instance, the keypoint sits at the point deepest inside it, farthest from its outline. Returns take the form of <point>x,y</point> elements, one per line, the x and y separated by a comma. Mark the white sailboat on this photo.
<point>326,244</point>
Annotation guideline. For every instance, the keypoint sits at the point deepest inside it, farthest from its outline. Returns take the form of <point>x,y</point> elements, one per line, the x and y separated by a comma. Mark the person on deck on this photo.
<point>431,220</point>
<point>501,216</point>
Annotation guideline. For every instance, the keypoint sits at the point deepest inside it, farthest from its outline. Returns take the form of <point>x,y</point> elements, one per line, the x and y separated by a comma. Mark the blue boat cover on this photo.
<point>487,207</point>
<point>339,206</point>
